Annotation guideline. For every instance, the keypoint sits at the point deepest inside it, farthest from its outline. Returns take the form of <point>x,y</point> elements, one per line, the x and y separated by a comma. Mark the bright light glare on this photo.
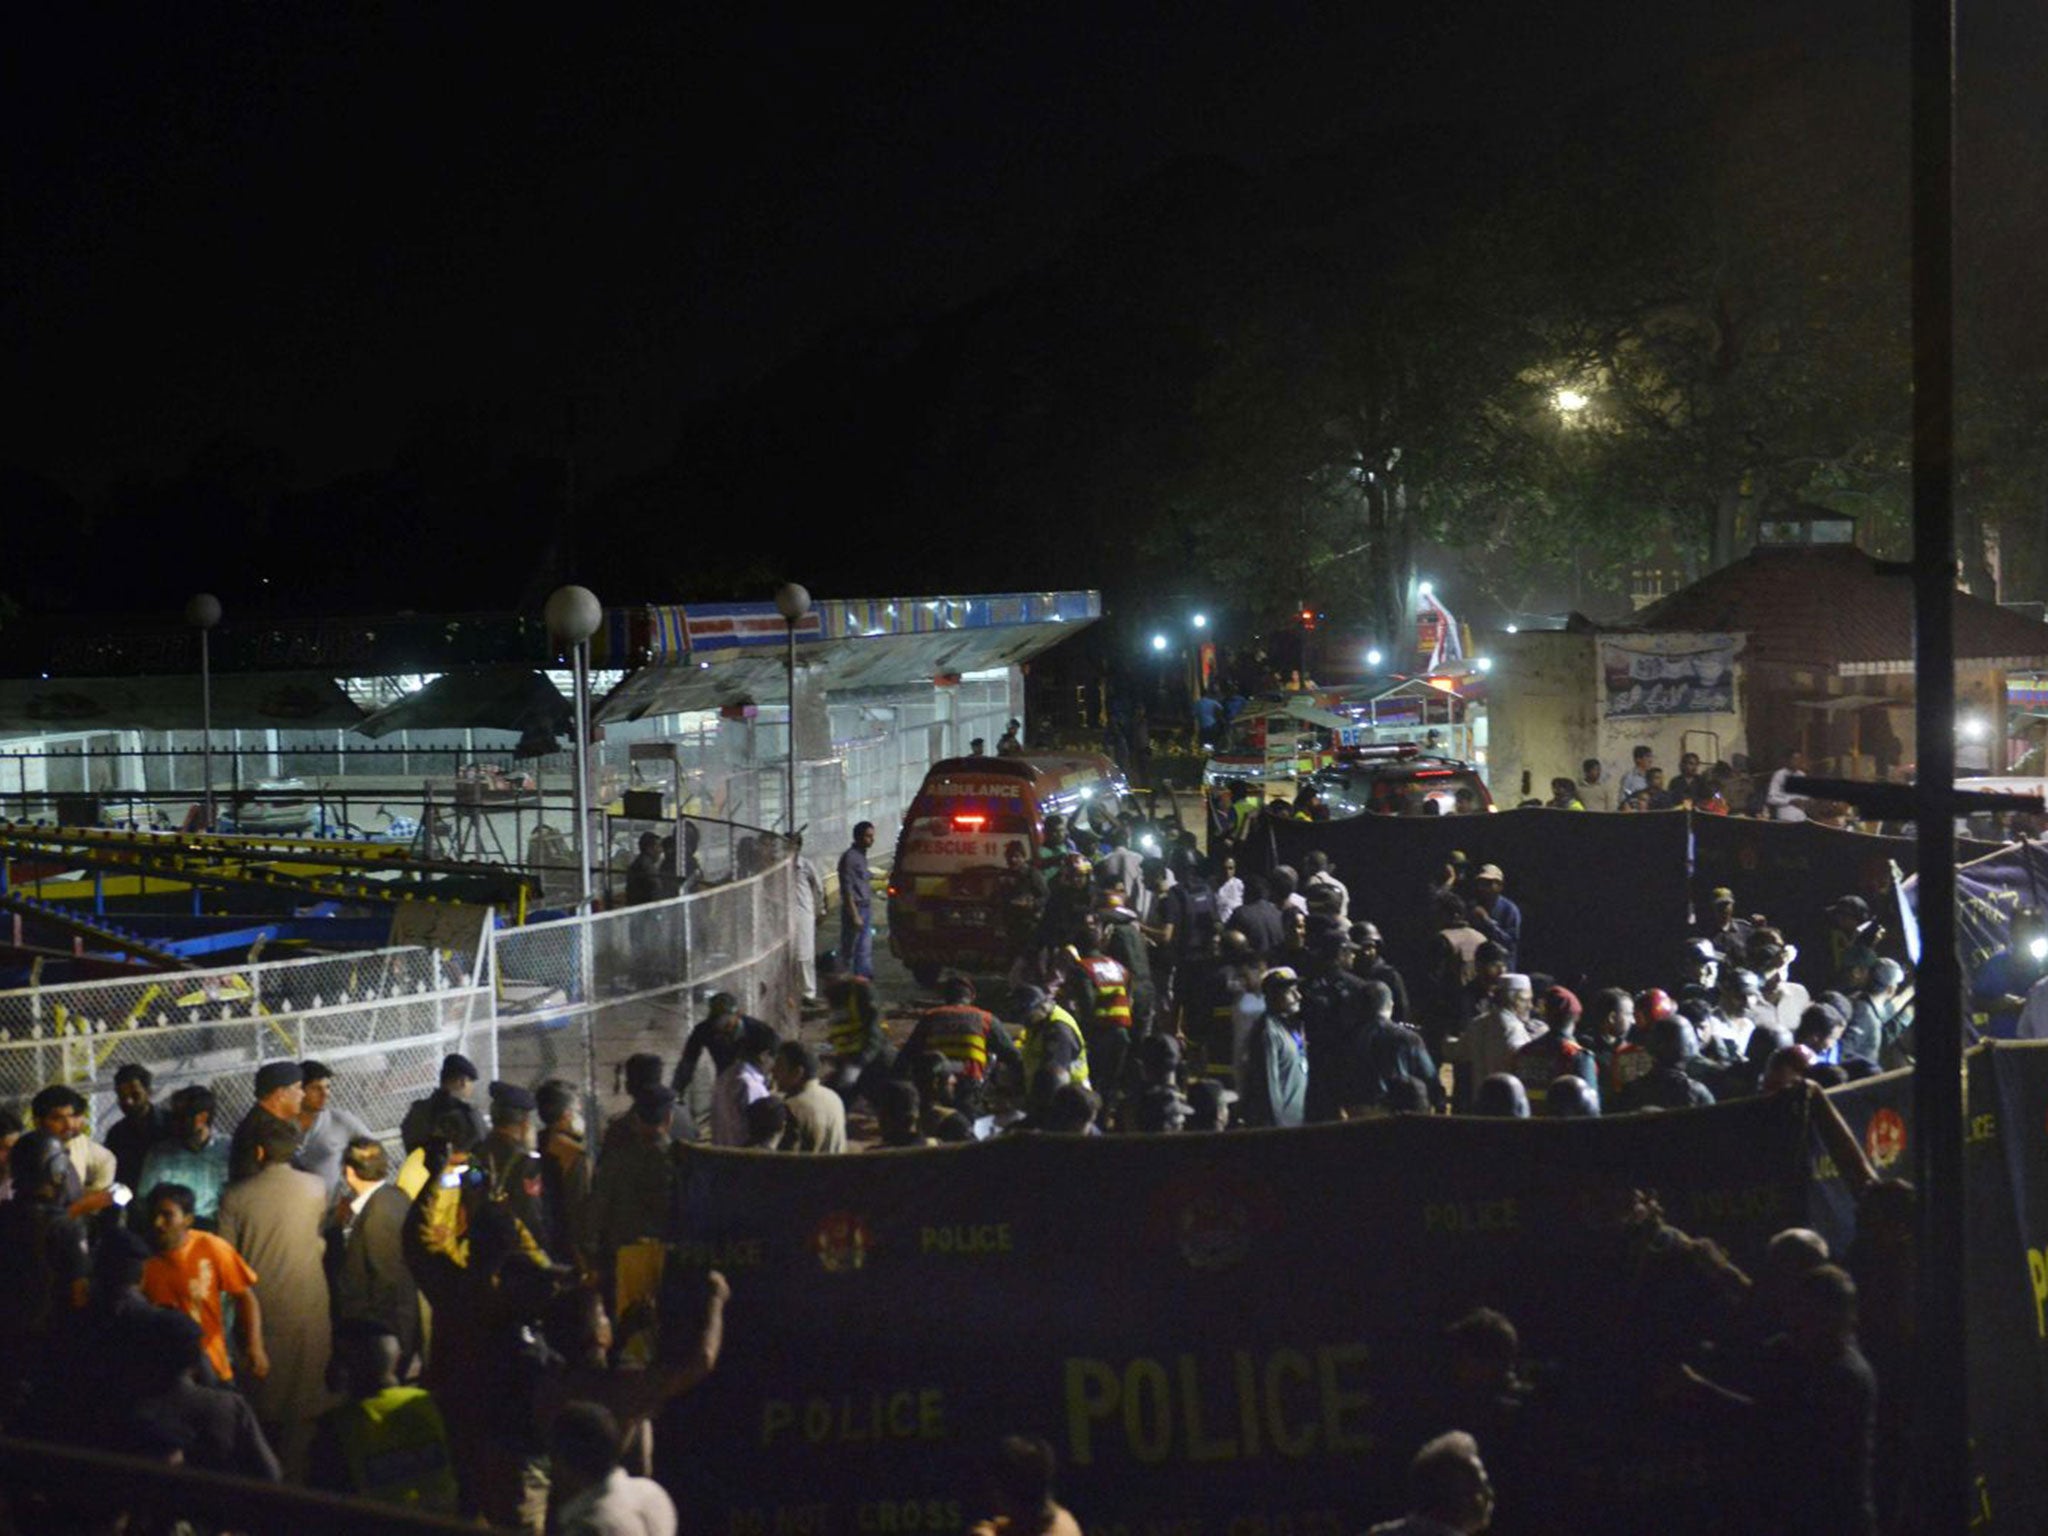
<point>1373,658</point>
<point>1514,629</point>
<point>1485,663</point>
<point>1200,621</point>
<point>2038,949</point>
<point>1426,589</point>
<point>1972,729</point>
<point>1159,642</point>
<point>1571,400</point>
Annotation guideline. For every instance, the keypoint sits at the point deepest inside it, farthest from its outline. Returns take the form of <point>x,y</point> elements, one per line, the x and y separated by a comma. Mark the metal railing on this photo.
<point>382,1019</point>
<point>558,998</point>
<point>50,1486</point>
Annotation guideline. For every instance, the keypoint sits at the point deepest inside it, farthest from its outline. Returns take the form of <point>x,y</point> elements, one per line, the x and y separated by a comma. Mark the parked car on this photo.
<point>1402,780</point>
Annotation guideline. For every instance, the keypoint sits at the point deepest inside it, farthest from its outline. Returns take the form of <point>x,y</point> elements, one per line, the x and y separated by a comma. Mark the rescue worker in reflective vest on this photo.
<point>385,1443</point>
<point>961,1032</point>
<point>854,1036</point>
<point>1100,989</point>
<point>1052,1038</point>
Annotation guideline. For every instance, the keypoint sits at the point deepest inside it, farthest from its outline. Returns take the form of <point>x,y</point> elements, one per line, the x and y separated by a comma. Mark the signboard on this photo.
<point>1642,682</point>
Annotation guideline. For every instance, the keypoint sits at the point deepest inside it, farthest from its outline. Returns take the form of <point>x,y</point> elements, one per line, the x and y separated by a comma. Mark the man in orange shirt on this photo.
<point>192,1271</point>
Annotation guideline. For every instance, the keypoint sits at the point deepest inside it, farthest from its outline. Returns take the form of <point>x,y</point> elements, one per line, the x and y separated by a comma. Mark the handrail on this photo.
<point>71,1473</point>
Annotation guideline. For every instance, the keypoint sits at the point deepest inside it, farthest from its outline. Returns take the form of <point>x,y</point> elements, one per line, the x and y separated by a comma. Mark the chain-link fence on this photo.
<point>567,998</point>
<point>574,998</point>
<point>382,1019</point>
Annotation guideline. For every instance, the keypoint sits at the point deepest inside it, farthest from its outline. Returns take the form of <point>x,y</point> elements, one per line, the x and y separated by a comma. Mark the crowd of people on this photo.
<point>480,1319</point>
<point>1173,992</point>
<point>291,1301</point>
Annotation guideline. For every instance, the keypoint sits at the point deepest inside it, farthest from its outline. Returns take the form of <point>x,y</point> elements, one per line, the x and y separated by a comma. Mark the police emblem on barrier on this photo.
<point>1211,1219</point>
<point>1885,1138</point>
<point>842,1241</point>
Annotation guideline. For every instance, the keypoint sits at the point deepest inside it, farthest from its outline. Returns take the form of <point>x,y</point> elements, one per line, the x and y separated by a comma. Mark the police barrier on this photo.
<point>2006,1264</point>
<point>1219,1334</point>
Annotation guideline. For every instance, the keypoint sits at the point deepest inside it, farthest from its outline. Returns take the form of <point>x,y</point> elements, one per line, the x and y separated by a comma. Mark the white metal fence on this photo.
<point>556,999</point>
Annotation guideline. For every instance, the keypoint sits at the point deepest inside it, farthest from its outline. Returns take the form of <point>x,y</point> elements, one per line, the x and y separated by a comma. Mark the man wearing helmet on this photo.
<point>1667,1085</point>
<point>1631,1060</point>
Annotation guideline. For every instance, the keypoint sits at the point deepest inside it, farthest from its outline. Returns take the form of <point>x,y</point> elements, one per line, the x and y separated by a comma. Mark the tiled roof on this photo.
<point>1828,607</point>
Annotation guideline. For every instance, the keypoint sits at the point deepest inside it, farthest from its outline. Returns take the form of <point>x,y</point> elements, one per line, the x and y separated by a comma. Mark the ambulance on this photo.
<point>945,885</point>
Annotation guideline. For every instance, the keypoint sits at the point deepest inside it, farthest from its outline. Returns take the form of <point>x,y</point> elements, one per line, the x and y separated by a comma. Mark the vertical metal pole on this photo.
<point>1940,1403</point>
<point>586,970</point>
<point>205,732</point>
<point>789,808</point>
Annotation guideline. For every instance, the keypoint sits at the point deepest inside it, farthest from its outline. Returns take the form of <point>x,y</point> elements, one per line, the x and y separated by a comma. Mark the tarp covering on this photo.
<point>496,698</point>
<point>1990,890</point>
<point>241,701</point>
<point>1601,896</point>
<point>1604,898</point>
<point>1237,1333</point>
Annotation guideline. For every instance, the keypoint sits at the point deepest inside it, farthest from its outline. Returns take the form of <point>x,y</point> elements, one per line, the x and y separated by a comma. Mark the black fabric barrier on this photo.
<point>2006,1261</point>
<point>1218,1333</point>
<point>1603,898</point>
<point>1792,870</point>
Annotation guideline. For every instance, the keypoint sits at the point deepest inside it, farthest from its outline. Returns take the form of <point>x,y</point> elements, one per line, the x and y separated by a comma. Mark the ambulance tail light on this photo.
<point>969,822</point>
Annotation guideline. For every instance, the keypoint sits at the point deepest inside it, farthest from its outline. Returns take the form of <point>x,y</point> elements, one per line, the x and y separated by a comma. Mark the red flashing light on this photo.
<point>1308,619</point>
<point>970,823</point>
<point>1434,773</point>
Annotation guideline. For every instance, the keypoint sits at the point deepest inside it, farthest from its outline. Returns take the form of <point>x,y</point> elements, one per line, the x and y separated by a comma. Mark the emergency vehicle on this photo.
<point>946,883</point>
<point>1276,743</point>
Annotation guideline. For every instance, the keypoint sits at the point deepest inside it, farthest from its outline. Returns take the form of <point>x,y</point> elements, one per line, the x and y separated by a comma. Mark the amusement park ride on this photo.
<point>87,902</point>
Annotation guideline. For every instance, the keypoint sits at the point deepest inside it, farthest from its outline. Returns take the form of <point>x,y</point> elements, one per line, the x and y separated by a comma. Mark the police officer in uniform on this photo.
<point>509,1162</point>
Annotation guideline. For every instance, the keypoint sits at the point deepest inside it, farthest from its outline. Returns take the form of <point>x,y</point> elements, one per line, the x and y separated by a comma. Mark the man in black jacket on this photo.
<point>1258,919</point>
<point>367,1276</point>
<point>458,1082</point>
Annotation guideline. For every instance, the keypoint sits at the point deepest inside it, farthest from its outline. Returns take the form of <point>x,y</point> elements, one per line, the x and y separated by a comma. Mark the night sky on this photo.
<point>308,227</point>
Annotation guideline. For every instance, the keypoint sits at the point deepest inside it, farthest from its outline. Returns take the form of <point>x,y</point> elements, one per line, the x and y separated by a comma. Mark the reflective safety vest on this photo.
<point>959,1033</point>
<point>395,1446</point>
<point>1112,984</point>
<point>851,1029</point>
<point>1629,1062</point>
<point>1035,1042</point>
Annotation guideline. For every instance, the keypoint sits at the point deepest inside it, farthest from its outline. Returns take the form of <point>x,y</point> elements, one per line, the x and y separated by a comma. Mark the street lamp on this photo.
<point>1373,657</point>
<point>1571,401</point>
<point>792,602</point>
<point>1159,642</point>
<point>573,615</point>
<point>1484,663</point>
<point>1425,590</point>
<point>1200,621</point>
<point>202,613</point>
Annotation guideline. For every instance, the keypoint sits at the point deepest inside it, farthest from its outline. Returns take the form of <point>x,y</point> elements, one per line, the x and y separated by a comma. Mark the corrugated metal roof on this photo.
<point>1829,607</point>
